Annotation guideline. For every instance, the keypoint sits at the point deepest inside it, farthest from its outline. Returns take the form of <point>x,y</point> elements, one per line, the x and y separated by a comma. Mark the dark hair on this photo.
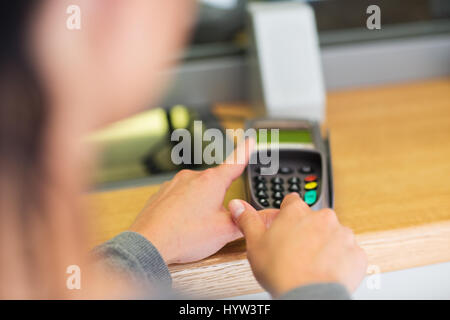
<point>22,111</point>
<point>22,117</point>
<point>22,105</point>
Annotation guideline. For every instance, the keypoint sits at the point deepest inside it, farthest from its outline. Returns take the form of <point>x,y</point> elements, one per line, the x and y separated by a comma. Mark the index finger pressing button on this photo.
<point>293,204</point>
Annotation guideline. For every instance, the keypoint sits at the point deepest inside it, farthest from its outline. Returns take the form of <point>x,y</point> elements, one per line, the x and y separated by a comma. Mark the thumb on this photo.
<point>251,224</point>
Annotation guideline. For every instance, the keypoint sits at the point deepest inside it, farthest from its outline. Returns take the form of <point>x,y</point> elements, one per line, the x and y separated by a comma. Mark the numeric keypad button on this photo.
<point>278,195</point>
<point>277,187</point>
<point>285,170</point>
<point>261,186</point>
<point>294,180</point>
<point>306,169</point>
<point>277,180</point>
<point>277,203</point>
<point>261,194</point>
<point>264,202</point>
<point>259,179</point>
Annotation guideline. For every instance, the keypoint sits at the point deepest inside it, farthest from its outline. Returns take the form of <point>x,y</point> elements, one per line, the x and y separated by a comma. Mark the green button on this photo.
<point>310,197</point>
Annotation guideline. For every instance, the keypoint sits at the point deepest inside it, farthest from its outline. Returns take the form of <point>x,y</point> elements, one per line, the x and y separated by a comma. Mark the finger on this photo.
<point>248,220</point>
<point>236,162</point>
<point>329,215</point>
<point>268,215</point>
<point>346,235</point>
<point>293,204</point>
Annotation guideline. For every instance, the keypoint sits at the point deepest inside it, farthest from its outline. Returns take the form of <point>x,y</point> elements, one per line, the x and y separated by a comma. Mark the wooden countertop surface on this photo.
<point>391,159</point>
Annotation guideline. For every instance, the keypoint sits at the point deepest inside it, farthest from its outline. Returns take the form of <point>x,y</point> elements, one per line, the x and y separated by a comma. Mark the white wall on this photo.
<point>429,282</point>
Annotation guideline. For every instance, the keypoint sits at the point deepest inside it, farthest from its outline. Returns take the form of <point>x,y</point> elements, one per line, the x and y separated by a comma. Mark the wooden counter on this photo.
<point>391,160</point>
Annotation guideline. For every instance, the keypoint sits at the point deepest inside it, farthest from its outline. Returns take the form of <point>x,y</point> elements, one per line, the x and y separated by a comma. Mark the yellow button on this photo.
<point>311,185</point>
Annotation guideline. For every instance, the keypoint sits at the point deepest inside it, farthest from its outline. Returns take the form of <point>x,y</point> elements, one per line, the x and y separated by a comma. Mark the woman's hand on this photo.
<point>186,220</point>
<point>301,247</point>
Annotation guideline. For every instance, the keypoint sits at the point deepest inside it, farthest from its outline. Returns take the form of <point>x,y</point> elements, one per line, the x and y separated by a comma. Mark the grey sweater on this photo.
<point>134,257</point>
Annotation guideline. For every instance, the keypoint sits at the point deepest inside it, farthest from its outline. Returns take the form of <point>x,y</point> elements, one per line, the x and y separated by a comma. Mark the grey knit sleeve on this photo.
<point>135,258</point>
<point>318,291</point>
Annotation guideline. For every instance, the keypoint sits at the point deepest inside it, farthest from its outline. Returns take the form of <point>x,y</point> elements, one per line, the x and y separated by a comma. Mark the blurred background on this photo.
<point>413,44</point>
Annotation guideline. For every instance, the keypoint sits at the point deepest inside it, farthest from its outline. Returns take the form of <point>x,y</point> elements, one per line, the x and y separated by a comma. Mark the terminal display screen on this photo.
<point>286,136</point>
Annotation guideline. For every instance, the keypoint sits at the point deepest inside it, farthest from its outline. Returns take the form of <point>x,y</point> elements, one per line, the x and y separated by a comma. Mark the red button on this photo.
<point>311,178</point>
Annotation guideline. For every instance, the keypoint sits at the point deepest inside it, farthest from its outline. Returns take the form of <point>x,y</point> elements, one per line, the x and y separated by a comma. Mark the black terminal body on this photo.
<point>304,168</point>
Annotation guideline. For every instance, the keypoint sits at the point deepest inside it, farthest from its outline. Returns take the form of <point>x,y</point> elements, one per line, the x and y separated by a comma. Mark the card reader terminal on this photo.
<point>304,165</point>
